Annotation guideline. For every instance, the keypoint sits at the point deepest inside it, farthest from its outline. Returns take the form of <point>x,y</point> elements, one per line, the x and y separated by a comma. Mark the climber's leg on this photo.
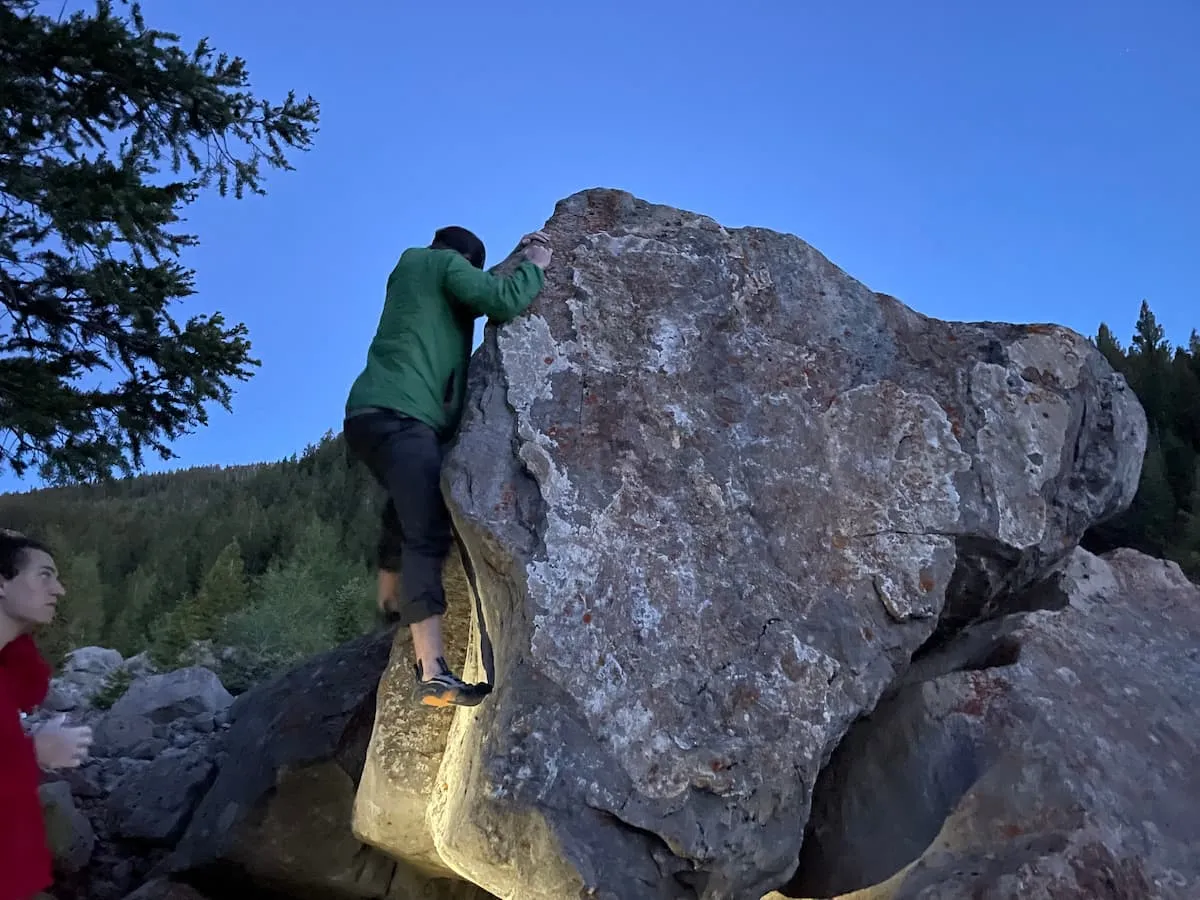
<point>406,458</point>
<point>387,558</point>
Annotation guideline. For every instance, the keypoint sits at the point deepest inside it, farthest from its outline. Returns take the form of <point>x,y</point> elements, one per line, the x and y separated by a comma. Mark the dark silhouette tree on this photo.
<point>94,368</point>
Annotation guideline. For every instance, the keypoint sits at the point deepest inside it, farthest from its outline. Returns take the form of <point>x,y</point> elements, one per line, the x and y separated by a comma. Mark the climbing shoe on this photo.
<point>447,689</point>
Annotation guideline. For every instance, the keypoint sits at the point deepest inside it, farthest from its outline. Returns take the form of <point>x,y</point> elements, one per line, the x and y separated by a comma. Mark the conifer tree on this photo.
<point>97,108</point>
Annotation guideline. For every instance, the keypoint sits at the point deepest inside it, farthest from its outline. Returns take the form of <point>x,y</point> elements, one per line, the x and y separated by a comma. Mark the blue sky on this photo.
<point>1019,161</point>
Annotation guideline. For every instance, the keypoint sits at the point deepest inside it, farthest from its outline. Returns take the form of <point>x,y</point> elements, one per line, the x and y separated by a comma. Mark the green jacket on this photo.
<point>417,362</point>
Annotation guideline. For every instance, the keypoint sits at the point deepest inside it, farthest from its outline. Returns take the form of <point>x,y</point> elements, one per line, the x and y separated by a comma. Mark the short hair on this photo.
<point>452,237</point>
<point>13,548</point>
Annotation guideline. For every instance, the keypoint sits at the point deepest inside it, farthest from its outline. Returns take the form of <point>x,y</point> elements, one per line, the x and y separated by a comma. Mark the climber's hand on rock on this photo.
<point>535,236</point>
<point>537,248</point>
<point>61,746</point>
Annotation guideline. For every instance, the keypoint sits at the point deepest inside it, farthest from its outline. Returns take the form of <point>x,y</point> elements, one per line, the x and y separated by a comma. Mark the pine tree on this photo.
<point>129,630</point>
<point>1149,364</point>
<point>1153,510</point>
<point>169,639</point>
<point>1110,347</point>
<point>94,369</point>
<point>350,608</point>
<point>288,619</point>
<point>1185,373</point>
<point>1186,548</point>
<point>79,621</point>
<point>222,592</point>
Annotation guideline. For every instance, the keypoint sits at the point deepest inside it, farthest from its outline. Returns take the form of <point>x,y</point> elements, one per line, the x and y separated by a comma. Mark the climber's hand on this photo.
<point>60,746</point>
<point>535,236</point>
<point>537,248</point>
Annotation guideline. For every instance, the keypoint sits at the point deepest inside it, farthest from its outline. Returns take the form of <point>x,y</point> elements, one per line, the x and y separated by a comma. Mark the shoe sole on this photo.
<point>468,697</point>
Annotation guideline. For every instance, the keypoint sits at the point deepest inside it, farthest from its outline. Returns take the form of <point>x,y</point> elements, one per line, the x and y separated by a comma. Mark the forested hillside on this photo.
<point>275,559</point>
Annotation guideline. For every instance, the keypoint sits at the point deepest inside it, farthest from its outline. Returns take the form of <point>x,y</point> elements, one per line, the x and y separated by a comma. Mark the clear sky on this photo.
<point>1019,161</point>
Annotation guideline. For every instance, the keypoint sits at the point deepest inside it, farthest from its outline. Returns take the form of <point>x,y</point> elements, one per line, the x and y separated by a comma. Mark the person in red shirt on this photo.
<point>29,592</point>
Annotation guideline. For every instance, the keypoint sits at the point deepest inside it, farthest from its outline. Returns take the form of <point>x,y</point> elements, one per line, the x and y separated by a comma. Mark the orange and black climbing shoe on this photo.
<point>447,689</point>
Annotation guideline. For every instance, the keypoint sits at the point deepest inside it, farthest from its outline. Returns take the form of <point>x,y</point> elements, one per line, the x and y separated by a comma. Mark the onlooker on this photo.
<point>29,592</point>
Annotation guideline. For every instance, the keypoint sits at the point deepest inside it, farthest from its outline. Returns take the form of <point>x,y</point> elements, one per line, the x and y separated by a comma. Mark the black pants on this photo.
<point>405,457</point>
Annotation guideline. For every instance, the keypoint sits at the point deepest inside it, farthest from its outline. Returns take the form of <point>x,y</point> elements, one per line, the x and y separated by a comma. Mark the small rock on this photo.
<point>117,770</point>
<point>84,781</point>
<point>204,723</point>
<point>140,666</point>
<point>68,831</point>
<point>149,749</point>
<point>122,871</point>
<point>162,889</point>
<point>174,695</point>
<point>118,735</point>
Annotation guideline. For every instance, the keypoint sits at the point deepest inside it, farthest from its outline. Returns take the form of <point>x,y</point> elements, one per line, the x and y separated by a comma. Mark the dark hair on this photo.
<point>452,237</point>
<point>13,547</point>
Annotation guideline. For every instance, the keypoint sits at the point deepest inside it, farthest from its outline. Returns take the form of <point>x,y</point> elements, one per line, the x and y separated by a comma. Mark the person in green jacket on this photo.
<point>404,408</point>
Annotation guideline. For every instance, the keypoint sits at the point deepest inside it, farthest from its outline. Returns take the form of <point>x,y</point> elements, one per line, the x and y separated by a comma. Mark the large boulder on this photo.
<point>718,494</point>
<point>279,809</point>
<point>1060,765</point>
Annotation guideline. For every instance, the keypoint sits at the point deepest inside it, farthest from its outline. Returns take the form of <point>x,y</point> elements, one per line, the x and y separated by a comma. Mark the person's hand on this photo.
<point>537,248</point>
<point>60,746</point>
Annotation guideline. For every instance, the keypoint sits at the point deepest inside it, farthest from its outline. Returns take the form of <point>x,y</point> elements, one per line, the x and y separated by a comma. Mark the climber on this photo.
<point>29,592</point>
<point>404,408</point>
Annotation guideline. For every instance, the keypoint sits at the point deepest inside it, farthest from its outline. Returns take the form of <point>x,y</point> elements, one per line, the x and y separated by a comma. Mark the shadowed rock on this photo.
<point>1066,772</point>
<point>278,814</point>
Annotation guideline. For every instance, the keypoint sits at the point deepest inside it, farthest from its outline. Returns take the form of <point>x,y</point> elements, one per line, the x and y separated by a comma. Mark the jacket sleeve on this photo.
<point>500,299</point>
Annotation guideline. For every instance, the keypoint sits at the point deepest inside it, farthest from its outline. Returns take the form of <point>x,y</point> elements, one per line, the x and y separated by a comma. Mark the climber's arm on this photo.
<point>500,299</point>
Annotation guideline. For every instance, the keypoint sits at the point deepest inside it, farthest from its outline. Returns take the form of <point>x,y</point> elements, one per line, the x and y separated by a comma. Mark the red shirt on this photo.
<point>25,866</point>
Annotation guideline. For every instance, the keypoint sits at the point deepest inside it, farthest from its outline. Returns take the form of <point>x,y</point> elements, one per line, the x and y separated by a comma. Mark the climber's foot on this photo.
<point>445,688</point>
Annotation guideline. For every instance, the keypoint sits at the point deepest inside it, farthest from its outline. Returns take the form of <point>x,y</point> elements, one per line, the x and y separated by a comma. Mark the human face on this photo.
<point>31,597</point>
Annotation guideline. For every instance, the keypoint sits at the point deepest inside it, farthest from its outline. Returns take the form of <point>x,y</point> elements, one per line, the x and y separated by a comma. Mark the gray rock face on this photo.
<point>68,831</point>
<point>1065,770</point>
<point>156,803</point>
<point>173,695</point>
<point>121,735</point>
<point>84,675</point>
<point>140,666</point>
<point>719,493</point>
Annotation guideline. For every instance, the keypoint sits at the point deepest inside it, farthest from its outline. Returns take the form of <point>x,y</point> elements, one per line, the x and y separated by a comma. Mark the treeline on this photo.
<point>272,560</point>
<point>1164,519</point>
